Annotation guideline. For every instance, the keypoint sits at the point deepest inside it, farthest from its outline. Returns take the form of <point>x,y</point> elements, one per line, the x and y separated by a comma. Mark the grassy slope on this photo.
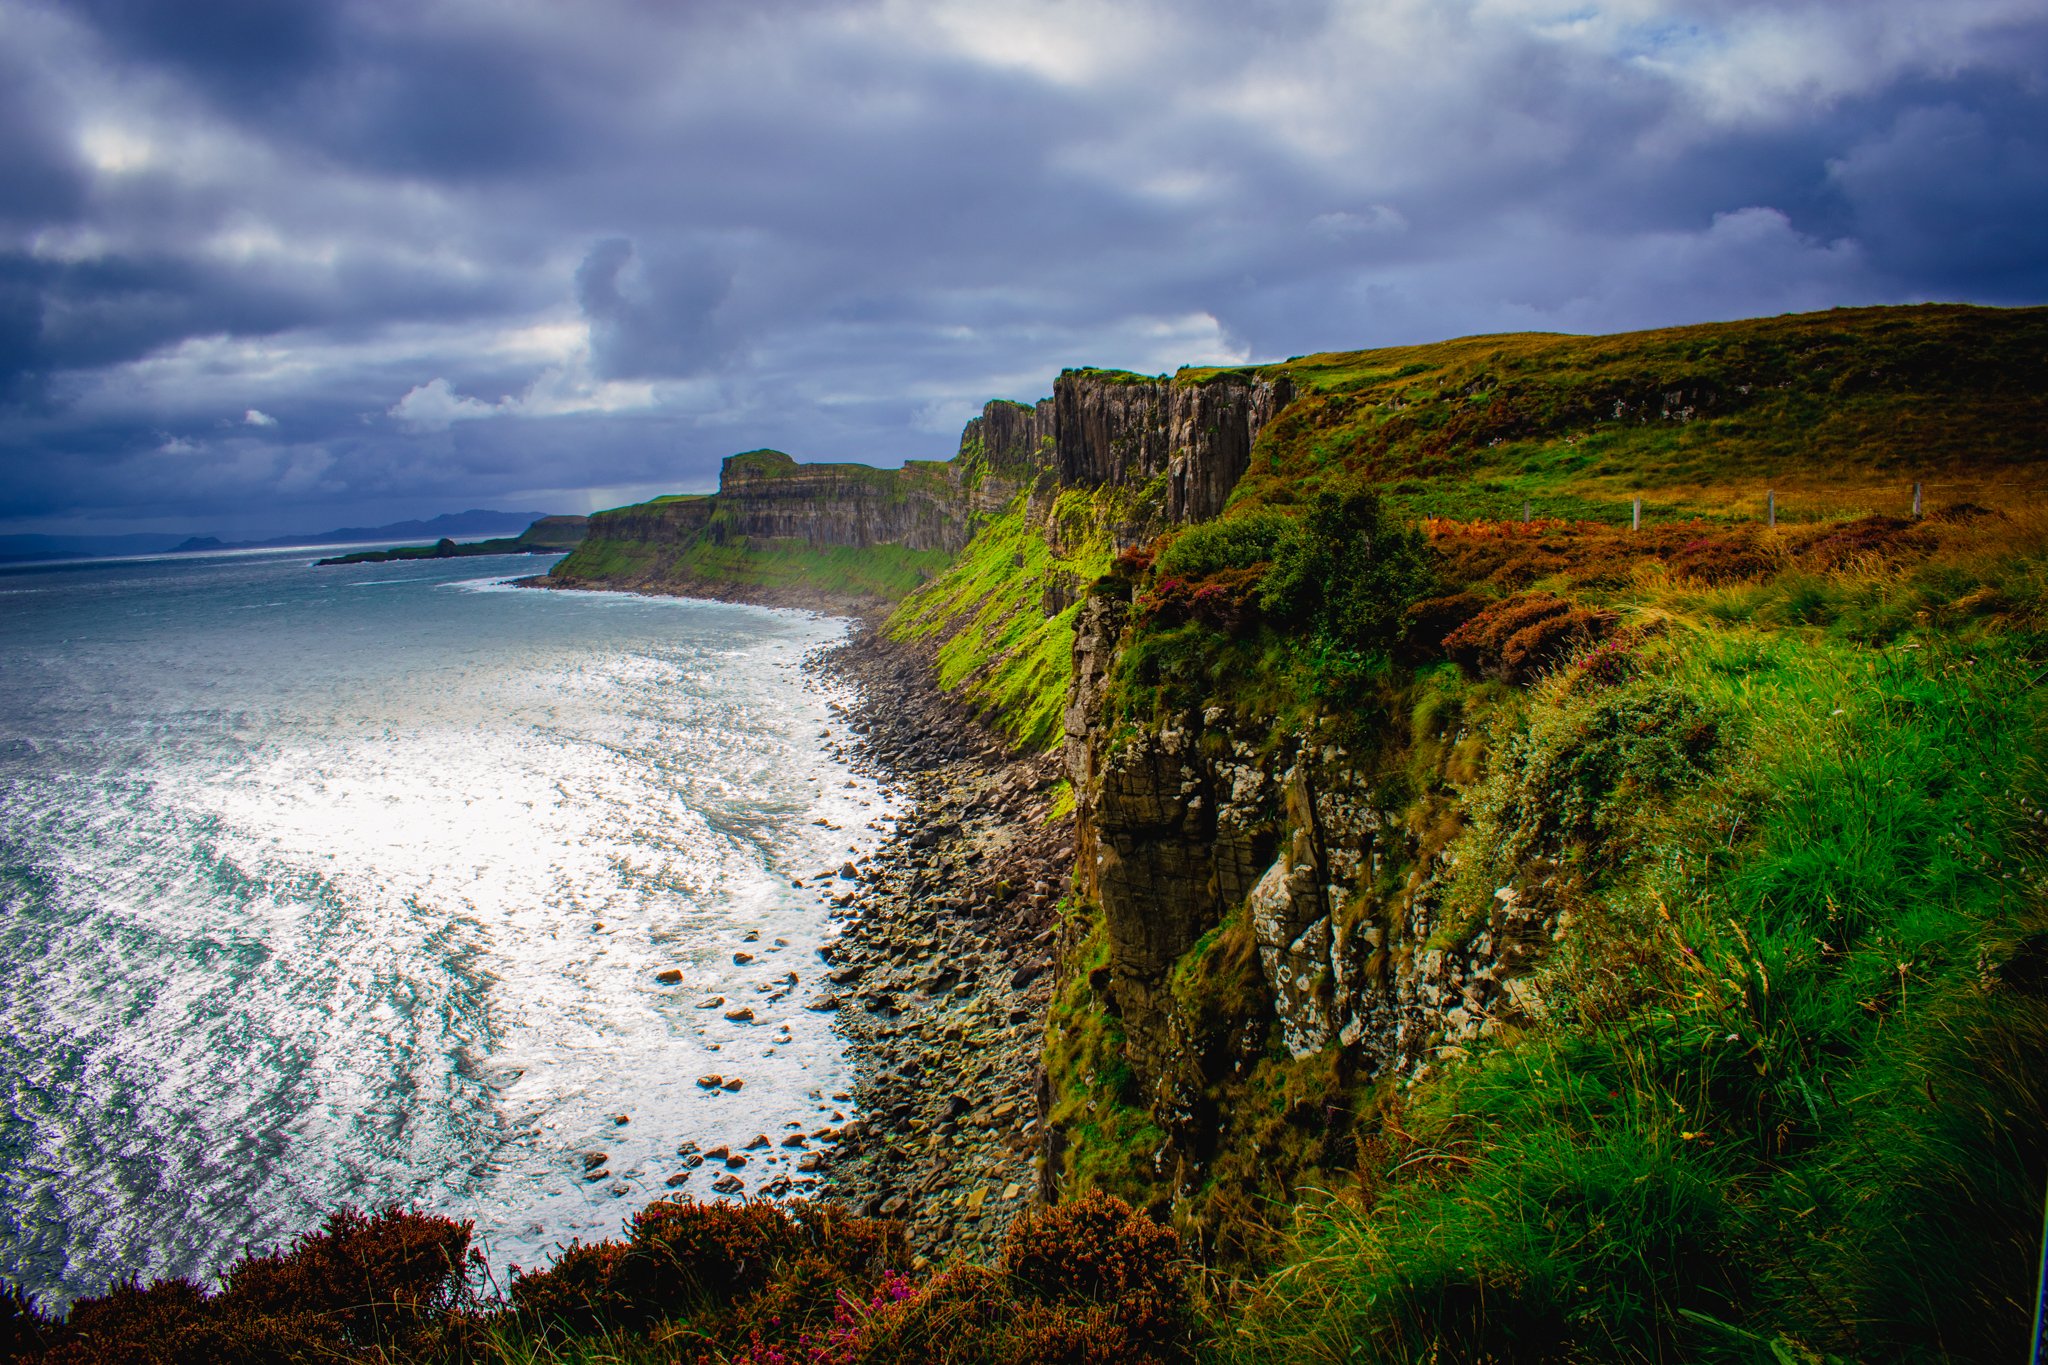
<point>881,573</point>
<point>1823,407</point>
<point>1000,641</point>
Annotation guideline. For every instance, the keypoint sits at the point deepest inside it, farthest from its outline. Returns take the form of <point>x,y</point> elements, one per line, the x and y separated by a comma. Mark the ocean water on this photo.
<point>351,885</point>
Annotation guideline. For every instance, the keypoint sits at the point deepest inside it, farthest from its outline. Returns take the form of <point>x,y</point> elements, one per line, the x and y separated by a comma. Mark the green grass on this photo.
<point>987,612</point>
<point>1840,412</point>
<point>1777,1107</point>
<point>1110,1137</point>
<point>876,573</point>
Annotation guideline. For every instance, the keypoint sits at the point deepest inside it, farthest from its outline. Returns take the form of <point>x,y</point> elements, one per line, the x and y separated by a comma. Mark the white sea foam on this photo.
<point>302,908</point>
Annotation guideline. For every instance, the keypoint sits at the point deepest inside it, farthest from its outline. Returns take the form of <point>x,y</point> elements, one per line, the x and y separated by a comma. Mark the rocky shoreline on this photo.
<point>941,978</point>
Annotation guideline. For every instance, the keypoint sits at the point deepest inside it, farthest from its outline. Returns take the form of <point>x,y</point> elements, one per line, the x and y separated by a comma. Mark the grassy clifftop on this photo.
<point>1840,412</point>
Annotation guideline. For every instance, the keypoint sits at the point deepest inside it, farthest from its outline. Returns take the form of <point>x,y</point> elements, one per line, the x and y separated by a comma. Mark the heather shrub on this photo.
<point>684,1259</point>
<point>23,1325</point>
<point>577,1292</point>
<point>679,1251</point>
<point>1224,600</point>
<point>363,1274</point>
<point>1521,637</point>
<point>1720,559</point>
<point>1098,1250</point>
<point>1881,538</point>
<point>1425,623</point>
<point>361,1283</point>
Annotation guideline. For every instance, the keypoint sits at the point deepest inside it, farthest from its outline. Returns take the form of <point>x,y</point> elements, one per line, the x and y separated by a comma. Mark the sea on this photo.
<point>355,885</point>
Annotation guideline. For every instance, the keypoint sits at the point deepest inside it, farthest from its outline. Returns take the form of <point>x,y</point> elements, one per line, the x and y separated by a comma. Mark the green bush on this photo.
<point>1350,575</point>
<point>1243,542</point>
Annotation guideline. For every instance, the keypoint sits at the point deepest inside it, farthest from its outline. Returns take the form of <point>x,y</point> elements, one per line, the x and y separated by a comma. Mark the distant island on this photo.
<point>34,548</point>
<point>547,535</point>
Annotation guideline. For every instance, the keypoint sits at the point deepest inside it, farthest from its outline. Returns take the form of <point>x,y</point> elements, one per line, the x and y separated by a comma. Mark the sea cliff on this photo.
<point>1327,856</point>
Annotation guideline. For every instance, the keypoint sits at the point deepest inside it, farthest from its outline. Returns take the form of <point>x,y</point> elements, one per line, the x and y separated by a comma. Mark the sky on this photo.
<point>276,265</point>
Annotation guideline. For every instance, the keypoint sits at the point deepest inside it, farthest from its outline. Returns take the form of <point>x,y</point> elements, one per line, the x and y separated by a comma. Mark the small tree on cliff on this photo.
<point>1348,576</point>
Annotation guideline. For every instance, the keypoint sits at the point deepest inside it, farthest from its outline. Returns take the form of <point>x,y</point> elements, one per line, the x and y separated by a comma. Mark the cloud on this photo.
<point>256,417</point>
<point>470,247</point>
<point>433,406</point>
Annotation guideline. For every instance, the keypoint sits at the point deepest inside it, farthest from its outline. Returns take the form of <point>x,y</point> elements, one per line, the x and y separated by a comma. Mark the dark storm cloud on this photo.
<point>245,53</point>
<point>650,321</point>
<point>405,257</point>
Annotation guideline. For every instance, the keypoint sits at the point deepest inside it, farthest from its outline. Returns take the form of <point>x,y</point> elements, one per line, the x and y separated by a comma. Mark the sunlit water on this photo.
<point>351,885</point>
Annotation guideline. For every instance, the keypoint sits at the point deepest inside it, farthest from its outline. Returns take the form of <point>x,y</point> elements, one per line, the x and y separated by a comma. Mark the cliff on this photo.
<point>1529,877</point>
<point>853,537</point>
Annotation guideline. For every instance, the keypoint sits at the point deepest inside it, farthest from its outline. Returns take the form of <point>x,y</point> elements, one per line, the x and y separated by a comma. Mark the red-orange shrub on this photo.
<point>1885,538</point>
<point>364,1273</point>
<point>1519,637</point>
<point>1099,1250</point>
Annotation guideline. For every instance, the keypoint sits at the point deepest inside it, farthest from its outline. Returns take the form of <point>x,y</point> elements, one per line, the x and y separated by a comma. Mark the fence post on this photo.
<point>1635,520</point>
<point>1916,501</point>
<point>1525,511</point>
<point>1771,507</point>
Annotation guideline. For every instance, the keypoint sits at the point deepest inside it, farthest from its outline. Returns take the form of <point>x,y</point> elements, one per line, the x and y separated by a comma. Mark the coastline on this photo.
<point>941,975</point>
<point>869,611</point>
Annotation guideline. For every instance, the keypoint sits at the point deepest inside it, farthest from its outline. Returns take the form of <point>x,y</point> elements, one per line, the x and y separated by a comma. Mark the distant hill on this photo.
<point>547,536</point>
<point>475,522</point>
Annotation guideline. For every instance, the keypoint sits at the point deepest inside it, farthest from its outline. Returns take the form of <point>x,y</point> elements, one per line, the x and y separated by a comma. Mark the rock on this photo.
<point>728,1184</point>
<point>733,1083</point>
<point>735,1162</point>
<point>796,1140</point>
<point>710,1002</point>
<point>718,1153</point>
<point>894,1206</point>
<point>824,1004</point>
<point>760,1140</point>
<point>621,1120</point>
<point>743,1015</point>
<point>742,959</point>
<point>679,1179</point>
<point>848,871</point>
<point>711,1082</point>
<point>592,1177</point>
<point>1024,976</point>
<point>593,1160</point>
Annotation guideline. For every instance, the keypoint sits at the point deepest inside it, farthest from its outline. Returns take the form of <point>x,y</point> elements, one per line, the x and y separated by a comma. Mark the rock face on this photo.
<point>1112,428</point>
<point>766,493</point>
<point>1187,821</point>
<point>1176,446</point>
